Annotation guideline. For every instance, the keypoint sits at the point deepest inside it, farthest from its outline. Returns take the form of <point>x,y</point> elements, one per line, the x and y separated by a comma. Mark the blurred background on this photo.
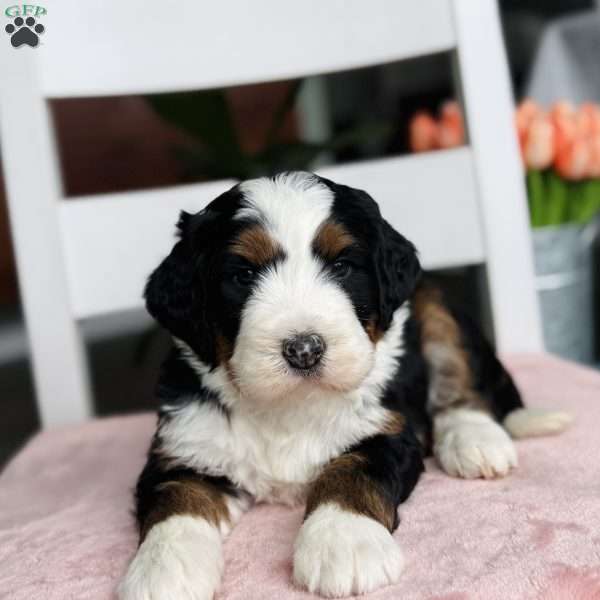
<point>136,142</point>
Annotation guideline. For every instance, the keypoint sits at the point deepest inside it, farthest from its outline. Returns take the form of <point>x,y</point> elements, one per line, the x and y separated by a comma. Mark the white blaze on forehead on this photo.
<point>295,295</point>
<point>291,206</point>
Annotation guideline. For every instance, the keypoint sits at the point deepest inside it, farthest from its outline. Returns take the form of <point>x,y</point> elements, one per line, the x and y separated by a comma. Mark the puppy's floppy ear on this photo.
<point>397,269</point>
<point>176,293</point>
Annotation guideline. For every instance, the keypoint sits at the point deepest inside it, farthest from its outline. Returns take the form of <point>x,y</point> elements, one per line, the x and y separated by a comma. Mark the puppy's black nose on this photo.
<point>303,351</point>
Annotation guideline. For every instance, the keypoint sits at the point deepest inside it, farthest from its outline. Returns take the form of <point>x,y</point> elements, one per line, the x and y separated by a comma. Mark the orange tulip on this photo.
<point>526,112</point>
<point>562,116</point>
<point>568,140</point>
<point>423,132</point>
<point>587,119</point>
<point>538,143</point>
<point>451,126</point>
<point>593,112</point>
<point>593,168</point>
<point>562,110</point>
<point>572,159</point>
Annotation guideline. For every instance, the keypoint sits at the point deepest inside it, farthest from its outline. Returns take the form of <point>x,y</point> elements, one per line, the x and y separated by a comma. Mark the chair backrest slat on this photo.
<point>111,243</point>
<point>96,47</point>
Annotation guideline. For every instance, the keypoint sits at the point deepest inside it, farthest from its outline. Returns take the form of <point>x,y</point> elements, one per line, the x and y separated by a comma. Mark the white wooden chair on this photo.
<point>88,256</point>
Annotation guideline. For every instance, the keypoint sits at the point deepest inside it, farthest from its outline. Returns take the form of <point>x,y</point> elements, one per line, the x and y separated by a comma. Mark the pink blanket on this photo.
<point>66,530</point>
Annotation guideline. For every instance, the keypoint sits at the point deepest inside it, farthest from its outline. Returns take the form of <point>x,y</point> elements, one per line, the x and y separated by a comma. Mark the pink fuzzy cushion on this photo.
<point>66,530</point>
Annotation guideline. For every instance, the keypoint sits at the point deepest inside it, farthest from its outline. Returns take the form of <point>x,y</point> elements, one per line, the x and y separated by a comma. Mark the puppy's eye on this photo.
<point>244,277</point>
<point>341,269</point>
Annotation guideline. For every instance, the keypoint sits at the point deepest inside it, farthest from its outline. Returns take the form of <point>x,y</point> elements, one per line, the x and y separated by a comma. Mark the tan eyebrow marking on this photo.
<point>331,239</point>
<point>256,246</point>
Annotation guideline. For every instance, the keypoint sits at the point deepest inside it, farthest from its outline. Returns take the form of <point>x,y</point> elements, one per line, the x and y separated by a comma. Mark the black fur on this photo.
<point>186,293</point>
<point>393,259</point>
<point>407,391</point>
<point>397,268</point>
<point>394,463</point>
<point>178,385</point>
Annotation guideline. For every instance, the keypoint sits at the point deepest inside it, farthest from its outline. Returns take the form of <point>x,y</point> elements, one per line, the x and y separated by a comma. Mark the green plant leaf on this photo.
<point>204,115</point>
<point>557,201</point>
<point>373,131</point>
<point>215,151</point>
<point>590,201</point>
<point>536,196</point>
<point>203,162</point>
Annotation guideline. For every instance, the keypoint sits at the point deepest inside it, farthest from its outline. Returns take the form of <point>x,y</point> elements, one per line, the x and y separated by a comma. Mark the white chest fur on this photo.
<point>272,455</point>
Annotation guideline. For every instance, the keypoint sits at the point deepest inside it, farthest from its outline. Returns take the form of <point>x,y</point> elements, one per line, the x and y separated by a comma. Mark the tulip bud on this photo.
<point>451,126</point>
<point>526,112</point>
<point>423,132</point>
<point>538,145</point>
<point>593,169</point>
<point>562,116</point>
<point>572,159</point>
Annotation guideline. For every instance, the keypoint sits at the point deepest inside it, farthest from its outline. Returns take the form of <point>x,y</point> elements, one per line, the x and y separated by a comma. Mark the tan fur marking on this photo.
<point>256,246</point>
<point>331,239</point>
<point>186,497</point>
<point>344,483</point>
<point>451,383</point>
<point>394,424</point>
<point>224,349</point>
<point>374,333</point>
<point>224,352</point>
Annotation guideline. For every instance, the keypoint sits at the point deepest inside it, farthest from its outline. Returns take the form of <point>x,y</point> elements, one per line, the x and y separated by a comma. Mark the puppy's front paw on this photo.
<point>180,559</point>
<point>470,444</point>
<point>338,553</point>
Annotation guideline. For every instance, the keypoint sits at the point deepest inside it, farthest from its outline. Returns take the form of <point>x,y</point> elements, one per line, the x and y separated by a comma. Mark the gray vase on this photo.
<point>563,265</point>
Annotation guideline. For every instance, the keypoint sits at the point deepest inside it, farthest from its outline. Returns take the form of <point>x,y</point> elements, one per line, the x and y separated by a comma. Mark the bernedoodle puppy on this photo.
<point>310,365</point>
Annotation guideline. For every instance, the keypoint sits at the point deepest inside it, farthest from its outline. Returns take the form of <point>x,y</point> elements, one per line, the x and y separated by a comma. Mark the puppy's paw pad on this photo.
<point>338,553</point>
<point>472,450</point>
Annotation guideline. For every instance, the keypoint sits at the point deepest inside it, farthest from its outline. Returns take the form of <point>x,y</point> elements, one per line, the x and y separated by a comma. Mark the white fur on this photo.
<point>286,201</point>
<point>338,553</point>
<point>180,559</point>
<point>236,507</point>
<point>530,422</point>
<point>470,444</point>
<point>274,453</point>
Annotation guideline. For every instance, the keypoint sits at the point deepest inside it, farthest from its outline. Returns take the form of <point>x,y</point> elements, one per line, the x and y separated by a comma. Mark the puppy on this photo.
<point>309,366</point>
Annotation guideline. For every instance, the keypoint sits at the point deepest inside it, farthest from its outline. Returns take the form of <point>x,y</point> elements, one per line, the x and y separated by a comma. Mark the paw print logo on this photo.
<point>24,32</point>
